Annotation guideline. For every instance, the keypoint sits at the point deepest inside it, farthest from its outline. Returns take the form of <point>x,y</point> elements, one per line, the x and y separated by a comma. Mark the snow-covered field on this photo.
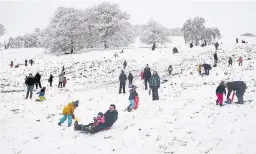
<point>184,120</point>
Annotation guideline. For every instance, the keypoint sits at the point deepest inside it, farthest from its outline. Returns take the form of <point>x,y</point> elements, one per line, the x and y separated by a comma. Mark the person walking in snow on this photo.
<point>124,64</point>
<point>240,61</point>
<point>38,80</point>
<point>63,69</point>
<point>26,62</point>
<point>64,81</point>
<point>199,69</point>
<point>207,69</point>
<point>30,81</point>
<point>61,79</point>
<point>41,94</point>
<point>221,89</point>
<point>130,78</point>
<point>170,69</point>
<point>50,80</point>
<point>147,76</point>
<point>154,84</point>
<point>236,40</point>
<point>11,64</point>
<point>230,61</point>
<point>110,116</point>
<point>68,112</point>
<point>122,80</point>
<point>133,98</point>
<point>238,87</point>
<point>215,58</point>
<point>216,45</point>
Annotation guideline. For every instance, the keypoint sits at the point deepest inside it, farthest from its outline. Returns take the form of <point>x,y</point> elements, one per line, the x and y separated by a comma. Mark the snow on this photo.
<point>184,120</point>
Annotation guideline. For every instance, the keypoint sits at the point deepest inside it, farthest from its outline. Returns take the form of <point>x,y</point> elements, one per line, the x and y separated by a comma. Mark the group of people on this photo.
<point>31,62</point>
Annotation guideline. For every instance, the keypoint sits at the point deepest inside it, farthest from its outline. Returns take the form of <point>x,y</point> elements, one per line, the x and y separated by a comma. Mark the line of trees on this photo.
<point>104,26</point>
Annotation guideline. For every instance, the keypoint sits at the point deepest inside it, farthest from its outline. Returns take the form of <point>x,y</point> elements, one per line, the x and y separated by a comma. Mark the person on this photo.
<point>230,61</point>
<point>170,69</point>
<point>216,45</point>
<point>63,69</point>
<point>50,80</point>
<point>199,69</point>
<point>31,62</point>
<point>153,46</point>
<point>215,58</point>
<point>154,84</point>
<point>221,89</point>
<point>110,116</point>
<point>124,64</point>
<point>11,64</point>
<point>30,81</point>
<point>26,62</point>
<point>41,94</point>
<point>61,79</point>
<point>100,119</point>
<point>207,68</point>
<point>147,76</point>
<point>236,40</point>
<point>132,98</point>
<point>122,80</point>
<point>68,112</point>
<point>142,75</point>
<point>240,61</point>
<point>191,45</point>
<point>239,87</point>
<point>38,80</point>
<point>64,81</point>
<point>175,50</point>
<point>130,78</point>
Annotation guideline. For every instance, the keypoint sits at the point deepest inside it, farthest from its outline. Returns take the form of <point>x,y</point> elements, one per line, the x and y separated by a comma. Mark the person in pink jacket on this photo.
<point>100,119</point>
<point>142,75</point>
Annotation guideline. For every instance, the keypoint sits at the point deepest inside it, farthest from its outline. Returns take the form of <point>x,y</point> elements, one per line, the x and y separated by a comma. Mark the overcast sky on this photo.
<point>231,17</point>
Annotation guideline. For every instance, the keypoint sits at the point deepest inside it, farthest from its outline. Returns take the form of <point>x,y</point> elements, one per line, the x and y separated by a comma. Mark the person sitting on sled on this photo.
<point>100,119</point>
<point>41,94</point>
<point>68,112</point>
<point>110,118</point>
<point>132,98</point>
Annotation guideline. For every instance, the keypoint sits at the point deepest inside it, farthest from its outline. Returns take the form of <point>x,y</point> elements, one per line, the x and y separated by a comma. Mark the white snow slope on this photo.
<point>184,120</point>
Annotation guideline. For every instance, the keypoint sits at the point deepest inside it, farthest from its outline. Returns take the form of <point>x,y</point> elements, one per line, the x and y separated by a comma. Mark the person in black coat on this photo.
<point>122,79</point>
<point>216,45</point>
<point>130,78</point>
<point>215,58</point>
<point>50,80</point>
<point>30,81</point>
<point>207,68</point>
<point>124,64</point>
<point>239,87</point>
<point>236,40</point>
<point>26,62</point>
<point>38,80</point>
<point>147,76</point>
<point>230,61</point>
<point>110,116</point>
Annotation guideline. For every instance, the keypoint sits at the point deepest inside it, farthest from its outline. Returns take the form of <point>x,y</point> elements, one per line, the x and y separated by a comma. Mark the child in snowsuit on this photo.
<point>221,89</point>
<point>130,78</point>
<point>240,61</point>
<point>41,94</point>
<point>68,112</point>
<point>100,119</point>
<point>64,81</point>
<point>133,96</point>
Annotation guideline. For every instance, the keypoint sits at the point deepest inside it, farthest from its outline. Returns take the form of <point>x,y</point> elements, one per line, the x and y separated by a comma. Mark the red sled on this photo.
<point>136,100</point>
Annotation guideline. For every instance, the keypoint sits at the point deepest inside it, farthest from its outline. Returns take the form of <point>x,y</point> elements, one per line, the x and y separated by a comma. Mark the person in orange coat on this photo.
<point>240,61</point>
<point>68,112</point>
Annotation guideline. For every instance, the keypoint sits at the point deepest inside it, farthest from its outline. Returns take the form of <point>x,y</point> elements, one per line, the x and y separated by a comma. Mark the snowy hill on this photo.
<point>184,120</point>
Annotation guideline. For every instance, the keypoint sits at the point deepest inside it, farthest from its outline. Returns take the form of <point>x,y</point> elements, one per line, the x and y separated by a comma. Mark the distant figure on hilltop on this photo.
<point>26,62</point>
<point>11,64</point>
<point>240,61</point>
<point>154,47</point>
<point>50,80</point>
<point>216,45</point>
<point>215,57</point>
<point>124,64</point>
<point>170,69</point>
<point>236,40</point>
<point>230,61</point>
<point>175,50</point>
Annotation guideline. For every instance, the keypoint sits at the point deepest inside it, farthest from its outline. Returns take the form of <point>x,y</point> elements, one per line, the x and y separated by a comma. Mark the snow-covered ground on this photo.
<point>184,120</point>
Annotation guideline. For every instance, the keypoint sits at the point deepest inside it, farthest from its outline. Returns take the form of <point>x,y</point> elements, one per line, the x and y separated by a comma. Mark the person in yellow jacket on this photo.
<point>68,112</point>
<point>199,69</point>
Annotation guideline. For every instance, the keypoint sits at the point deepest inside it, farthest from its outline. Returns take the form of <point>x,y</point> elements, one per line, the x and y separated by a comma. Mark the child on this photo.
<point>41,94</point>
<point>64,81</point>
<point>240,60</point>
<point>132,97</point>
<point>11,64</point>
<point>142,75</point>
<point>100,119</point>
<point>68,112</point>
<point>199,69</point>
<point>221,89</point>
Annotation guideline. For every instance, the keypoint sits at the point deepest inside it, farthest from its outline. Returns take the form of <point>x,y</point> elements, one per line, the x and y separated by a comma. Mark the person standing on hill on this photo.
<point>170,69</point>
<point>26,62</point>
<point>236,40</point>
<point>215,58</point>
<point>207,69</point>
<point>61,79</point>
<point>130,78</point>
<point>30,81</point>
<point>122,80</point>
<point>147,76</point>
<point>50,80</point>
<point>230,61</point>
<point>124,64</point>
<point>221,89</point>
<point>240,61</point>
<point>38,80</point>
<point>154,84</point>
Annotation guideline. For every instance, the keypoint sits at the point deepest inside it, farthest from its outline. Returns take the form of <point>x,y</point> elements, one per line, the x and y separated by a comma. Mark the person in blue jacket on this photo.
<point>154,83</point>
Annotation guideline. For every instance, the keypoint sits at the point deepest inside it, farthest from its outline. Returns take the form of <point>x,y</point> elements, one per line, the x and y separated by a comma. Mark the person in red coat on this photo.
<point>240,61</point>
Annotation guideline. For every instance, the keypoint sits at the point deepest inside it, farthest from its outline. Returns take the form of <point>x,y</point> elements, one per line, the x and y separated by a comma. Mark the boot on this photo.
<point>217,102</point>
<point>31,95</point>
<point>59,123</point>
<point>77,126</point>
<point>27,95</point>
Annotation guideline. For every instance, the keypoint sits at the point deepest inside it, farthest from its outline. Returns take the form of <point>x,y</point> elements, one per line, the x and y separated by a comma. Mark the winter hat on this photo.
<point>222,83</point>
<point>100,114</point>
<point>76,103</point>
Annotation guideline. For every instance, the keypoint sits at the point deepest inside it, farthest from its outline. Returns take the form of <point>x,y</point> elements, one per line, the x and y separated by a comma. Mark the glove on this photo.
<point>73,116</point>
